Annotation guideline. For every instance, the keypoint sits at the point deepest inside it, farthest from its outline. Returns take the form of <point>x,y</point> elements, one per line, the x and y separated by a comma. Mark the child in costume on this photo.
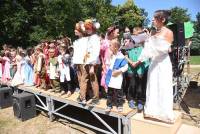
<point>89,66</point>
<point>64,62</point>
<point>40,69</point>
<point>52,71</point>
<point>112,33</point>
<point>13,65</point>
<point>29,71</point>
<point>6,67</point>
<point>19,76</point>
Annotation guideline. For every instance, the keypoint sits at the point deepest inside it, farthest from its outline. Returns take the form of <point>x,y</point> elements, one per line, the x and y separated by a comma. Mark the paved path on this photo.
<point>195,66</point>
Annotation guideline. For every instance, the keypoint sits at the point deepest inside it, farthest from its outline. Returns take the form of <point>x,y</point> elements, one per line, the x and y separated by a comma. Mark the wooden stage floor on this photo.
<point>101,105</point>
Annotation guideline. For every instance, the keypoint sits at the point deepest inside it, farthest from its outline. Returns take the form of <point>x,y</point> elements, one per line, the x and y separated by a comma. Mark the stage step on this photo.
<point>139,125</point>
<point>187,129</point>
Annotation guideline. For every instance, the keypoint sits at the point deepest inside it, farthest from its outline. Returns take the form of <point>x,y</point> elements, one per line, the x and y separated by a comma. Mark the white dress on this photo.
<point>159,93</point>
<point>19,76</point>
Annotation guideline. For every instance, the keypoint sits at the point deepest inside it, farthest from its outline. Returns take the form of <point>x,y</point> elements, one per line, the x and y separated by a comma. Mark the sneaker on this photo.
<point>131,104</point>
<point>81,101</point>
<point>140,106</point>
<point>120,109</point>
<point>108,109</point>
<point>62,92</point>
<point>93,101</point>
<point>68,94</point>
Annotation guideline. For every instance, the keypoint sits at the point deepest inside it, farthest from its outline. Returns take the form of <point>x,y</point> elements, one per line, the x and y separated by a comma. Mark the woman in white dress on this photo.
<point>159,93</point>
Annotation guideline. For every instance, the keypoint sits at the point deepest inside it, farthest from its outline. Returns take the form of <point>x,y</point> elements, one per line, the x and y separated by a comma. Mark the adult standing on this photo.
<point>159,93</point>
<point>105,53</point>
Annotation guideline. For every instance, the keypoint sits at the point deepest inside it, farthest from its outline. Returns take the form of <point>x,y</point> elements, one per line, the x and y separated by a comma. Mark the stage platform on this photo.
<point>95,116</point>
<point>55,104</point>
<point>73,99</point>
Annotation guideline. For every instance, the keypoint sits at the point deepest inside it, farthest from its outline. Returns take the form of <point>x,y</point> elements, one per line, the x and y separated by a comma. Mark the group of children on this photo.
<point>59,66</point>
<point>46,66</point>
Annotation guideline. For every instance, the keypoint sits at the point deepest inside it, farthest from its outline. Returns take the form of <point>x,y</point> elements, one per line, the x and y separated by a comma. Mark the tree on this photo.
<point>197,24</point>
<point>14,21</point>
<point>195,47</point>
<point>27,22</point>
<point>179,15</point>
<point>130,15</point>
<point>102,10</point>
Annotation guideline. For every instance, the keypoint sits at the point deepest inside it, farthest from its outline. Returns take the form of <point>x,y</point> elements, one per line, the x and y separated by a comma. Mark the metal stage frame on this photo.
<point>47,103</point>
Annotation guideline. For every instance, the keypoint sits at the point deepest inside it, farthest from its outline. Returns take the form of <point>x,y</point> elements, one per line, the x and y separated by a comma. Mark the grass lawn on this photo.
<point>195,60</point>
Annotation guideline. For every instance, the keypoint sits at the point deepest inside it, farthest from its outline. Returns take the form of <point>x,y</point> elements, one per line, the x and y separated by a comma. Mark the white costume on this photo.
<point>93,48</point>
<point>159,93</point>
<point>84,45</point>
<point>79,46</point>
<point>20,74</point>
<point>64,67</point>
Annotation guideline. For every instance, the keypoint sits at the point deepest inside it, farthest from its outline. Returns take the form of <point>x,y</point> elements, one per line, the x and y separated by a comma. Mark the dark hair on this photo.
<point>102,35</point>
<point>162,14</point>
<point>111,29</point>
<point>29,51</point>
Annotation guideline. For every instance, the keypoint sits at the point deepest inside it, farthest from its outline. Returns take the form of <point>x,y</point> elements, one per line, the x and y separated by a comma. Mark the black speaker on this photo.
<point>24,106</point>
<point>5,97</point>
<point>179,34</point>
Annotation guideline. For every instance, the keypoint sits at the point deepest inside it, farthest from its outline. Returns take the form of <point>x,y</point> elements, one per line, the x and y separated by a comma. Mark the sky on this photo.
<point>150,6</point>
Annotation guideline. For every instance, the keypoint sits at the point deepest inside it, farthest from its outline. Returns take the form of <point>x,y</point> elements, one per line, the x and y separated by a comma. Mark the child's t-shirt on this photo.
<point>117,62</point>
<point>133,55</point>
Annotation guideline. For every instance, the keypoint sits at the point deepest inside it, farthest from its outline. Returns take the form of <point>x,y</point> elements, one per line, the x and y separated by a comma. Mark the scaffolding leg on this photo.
<point>119,125</point>
<point>125,125</point>
<point>50,107</point>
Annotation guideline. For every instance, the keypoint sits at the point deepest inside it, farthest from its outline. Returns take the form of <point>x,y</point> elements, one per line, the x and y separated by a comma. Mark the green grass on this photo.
<point>195,60</point>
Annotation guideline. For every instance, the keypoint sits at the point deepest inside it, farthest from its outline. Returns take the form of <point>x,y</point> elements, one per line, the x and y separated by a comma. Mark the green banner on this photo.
<point>189,29</point>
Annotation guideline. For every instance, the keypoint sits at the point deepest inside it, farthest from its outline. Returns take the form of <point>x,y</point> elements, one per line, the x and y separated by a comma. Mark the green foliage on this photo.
<point>179,15</point>
<point>197,24</point>
<point>130,15</point>
<point>195,47</point>
<point>102,10</point>
<point>27,22</point>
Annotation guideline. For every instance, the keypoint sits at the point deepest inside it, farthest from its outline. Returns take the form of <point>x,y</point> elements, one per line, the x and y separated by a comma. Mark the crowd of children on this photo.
<point>91,62</point>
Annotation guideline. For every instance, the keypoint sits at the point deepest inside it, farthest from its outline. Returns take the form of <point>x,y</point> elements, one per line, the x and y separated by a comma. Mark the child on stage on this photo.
<point>28,69</point>
<point>114,76</point>
<point>19,76</point>
<point>64,62</point>
<point>135,79</point>
<point>52,70</point>
<point>40,69</point>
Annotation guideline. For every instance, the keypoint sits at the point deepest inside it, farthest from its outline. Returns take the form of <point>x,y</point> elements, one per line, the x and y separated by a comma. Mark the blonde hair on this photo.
<point>116,43</point>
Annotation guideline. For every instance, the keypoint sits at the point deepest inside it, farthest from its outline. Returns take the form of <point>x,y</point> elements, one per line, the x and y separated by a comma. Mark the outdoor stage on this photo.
<point>92,116</point>
<point>95,116</point>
